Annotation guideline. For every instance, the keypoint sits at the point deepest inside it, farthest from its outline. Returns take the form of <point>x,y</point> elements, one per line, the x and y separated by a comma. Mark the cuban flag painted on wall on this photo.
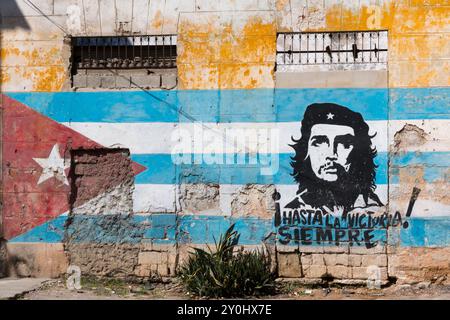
<point>40,129</point>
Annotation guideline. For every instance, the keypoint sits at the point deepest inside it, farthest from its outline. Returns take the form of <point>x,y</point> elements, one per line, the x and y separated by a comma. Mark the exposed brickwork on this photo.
<point>415,265</point>
<point>125,79</point>
<point>320,266</point>
<point>101,236</point>
<point>98,171</point>
<point>157,260</point>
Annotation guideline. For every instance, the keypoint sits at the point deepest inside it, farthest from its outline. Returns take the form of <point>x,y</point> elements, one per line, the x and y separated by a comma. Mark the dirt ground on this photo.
<point>97,289</point>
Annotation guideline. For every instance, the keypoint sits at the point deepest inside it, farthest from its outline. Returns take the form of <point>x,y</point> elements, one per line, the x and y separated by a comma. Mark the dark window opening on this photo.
<point>124,52</point>
<point>124,61</point>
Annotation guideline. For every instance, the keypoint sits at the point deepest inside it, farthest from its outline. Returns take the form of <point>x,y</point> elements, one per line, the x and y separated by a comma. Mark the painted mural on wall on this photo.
<point>335,170</point>
<point>350,209</point>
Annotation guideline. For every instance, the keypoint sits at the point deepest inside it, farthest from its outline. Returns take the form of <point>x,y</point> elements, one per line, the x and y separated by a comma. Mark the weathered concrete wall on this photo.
<point>229,101</point>
<point>3,257</point>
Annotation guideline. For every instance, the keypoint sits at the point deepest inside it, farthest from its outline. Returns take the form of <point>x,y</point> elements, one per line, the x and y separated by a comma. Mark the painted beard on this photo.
<point>340,193</point>
<point>333,171</point>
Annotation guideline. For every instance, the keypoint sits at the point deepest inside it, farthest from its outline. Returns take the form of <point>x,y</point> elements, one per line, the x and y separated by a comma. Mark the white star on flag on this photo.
<point>53,166</point>
<point>330,116</point>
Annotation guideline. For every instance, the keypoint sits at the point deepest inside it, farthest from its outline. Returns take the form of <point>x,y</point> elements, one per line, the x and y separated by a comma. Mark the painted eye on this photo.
<point>347,145</point>
<point>346,141</point>
<point>317,141</point>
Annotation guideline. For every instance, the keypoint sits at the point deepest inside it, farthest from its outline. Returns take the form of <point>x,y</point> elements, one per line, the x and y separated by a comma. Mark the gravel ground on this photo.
<point>93,289</point>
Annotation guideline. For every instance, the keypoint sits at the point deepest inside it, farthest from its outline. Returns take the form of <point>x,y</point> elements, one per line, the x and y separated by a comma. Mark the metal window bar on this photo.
<point>124,52</point>
<point>354,47</point>
<point>307,48</point>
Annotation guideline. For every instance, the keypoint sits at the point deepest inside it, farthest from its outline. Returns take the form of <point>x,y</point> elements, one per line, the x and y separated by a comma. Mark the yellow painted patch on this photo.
<point>31,55</point>
<point>344,18</point>
<point>413,36</point>
<point>4,77</point>
<point>38,57</point>
<point>281,4</point>
<point>158,20</point>
<point>420,47</point>
<point>416,74</point>
<point>6,52</point>
<point>42,68</point>
<point>245,76</point>
<point>49,79</point>
<point>198,76</point>
<point>236,56</point>
<point>214,53</point>
<point>243,60</point>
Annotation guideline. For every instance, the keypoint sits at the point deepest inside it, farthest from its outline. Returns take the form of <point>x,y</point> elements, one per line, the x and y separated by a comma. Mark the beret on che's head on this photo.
<point>330,113</point>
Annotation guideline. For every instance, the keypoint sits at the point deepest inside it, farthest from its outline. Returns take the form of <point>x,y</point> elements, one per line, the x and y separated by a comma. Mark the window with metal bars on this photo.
<point>124,61</point>
<point>331,48</point>
<point>124,52</point>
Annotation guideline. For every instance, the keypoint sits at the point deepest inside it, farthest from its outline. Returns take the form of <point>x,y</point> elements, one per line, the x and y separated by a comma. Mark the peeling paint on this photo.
<point>200,198</point>
<point>254,201</point>
<point>409,135</point>
<point>410,176</point>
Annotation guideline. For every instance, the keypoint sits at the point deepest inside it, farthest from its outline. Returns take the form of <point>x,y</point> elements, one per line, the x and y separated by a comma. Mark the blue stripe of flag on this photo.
<point>256,105</point>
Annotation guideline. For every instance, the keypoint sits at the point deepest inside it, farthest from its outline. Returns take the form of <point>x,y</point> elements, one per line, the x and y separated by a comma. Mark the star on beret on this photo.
<point>330,116</point>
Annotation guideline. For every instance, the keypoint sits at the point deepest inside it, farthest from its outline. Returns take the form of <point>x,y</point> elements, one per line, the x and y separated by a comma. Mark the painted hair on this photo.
<point>359,180</point>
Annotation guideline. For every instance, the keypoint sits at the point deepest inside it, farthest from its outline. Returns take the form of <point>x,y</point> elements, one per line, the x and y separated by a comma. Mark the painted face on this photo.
<point>329,147</point>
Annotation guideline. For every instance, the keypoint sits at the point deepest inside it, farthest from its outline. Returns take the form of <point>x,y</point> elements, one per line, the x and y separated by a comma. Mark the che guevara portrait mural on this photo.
<point>334,160</point>
<point>334,168</point>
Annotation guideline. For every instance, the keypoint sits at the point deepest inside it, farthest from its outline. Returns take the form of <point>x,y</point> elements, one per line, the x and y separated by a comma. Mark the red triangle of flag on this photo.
<point>36,157</point>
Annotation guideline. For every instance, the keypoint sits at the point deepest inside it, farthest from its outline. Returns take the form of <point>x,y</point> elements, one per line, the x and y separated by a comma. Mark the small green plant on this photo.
<point>105,286</point>
<point>225,273</point>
